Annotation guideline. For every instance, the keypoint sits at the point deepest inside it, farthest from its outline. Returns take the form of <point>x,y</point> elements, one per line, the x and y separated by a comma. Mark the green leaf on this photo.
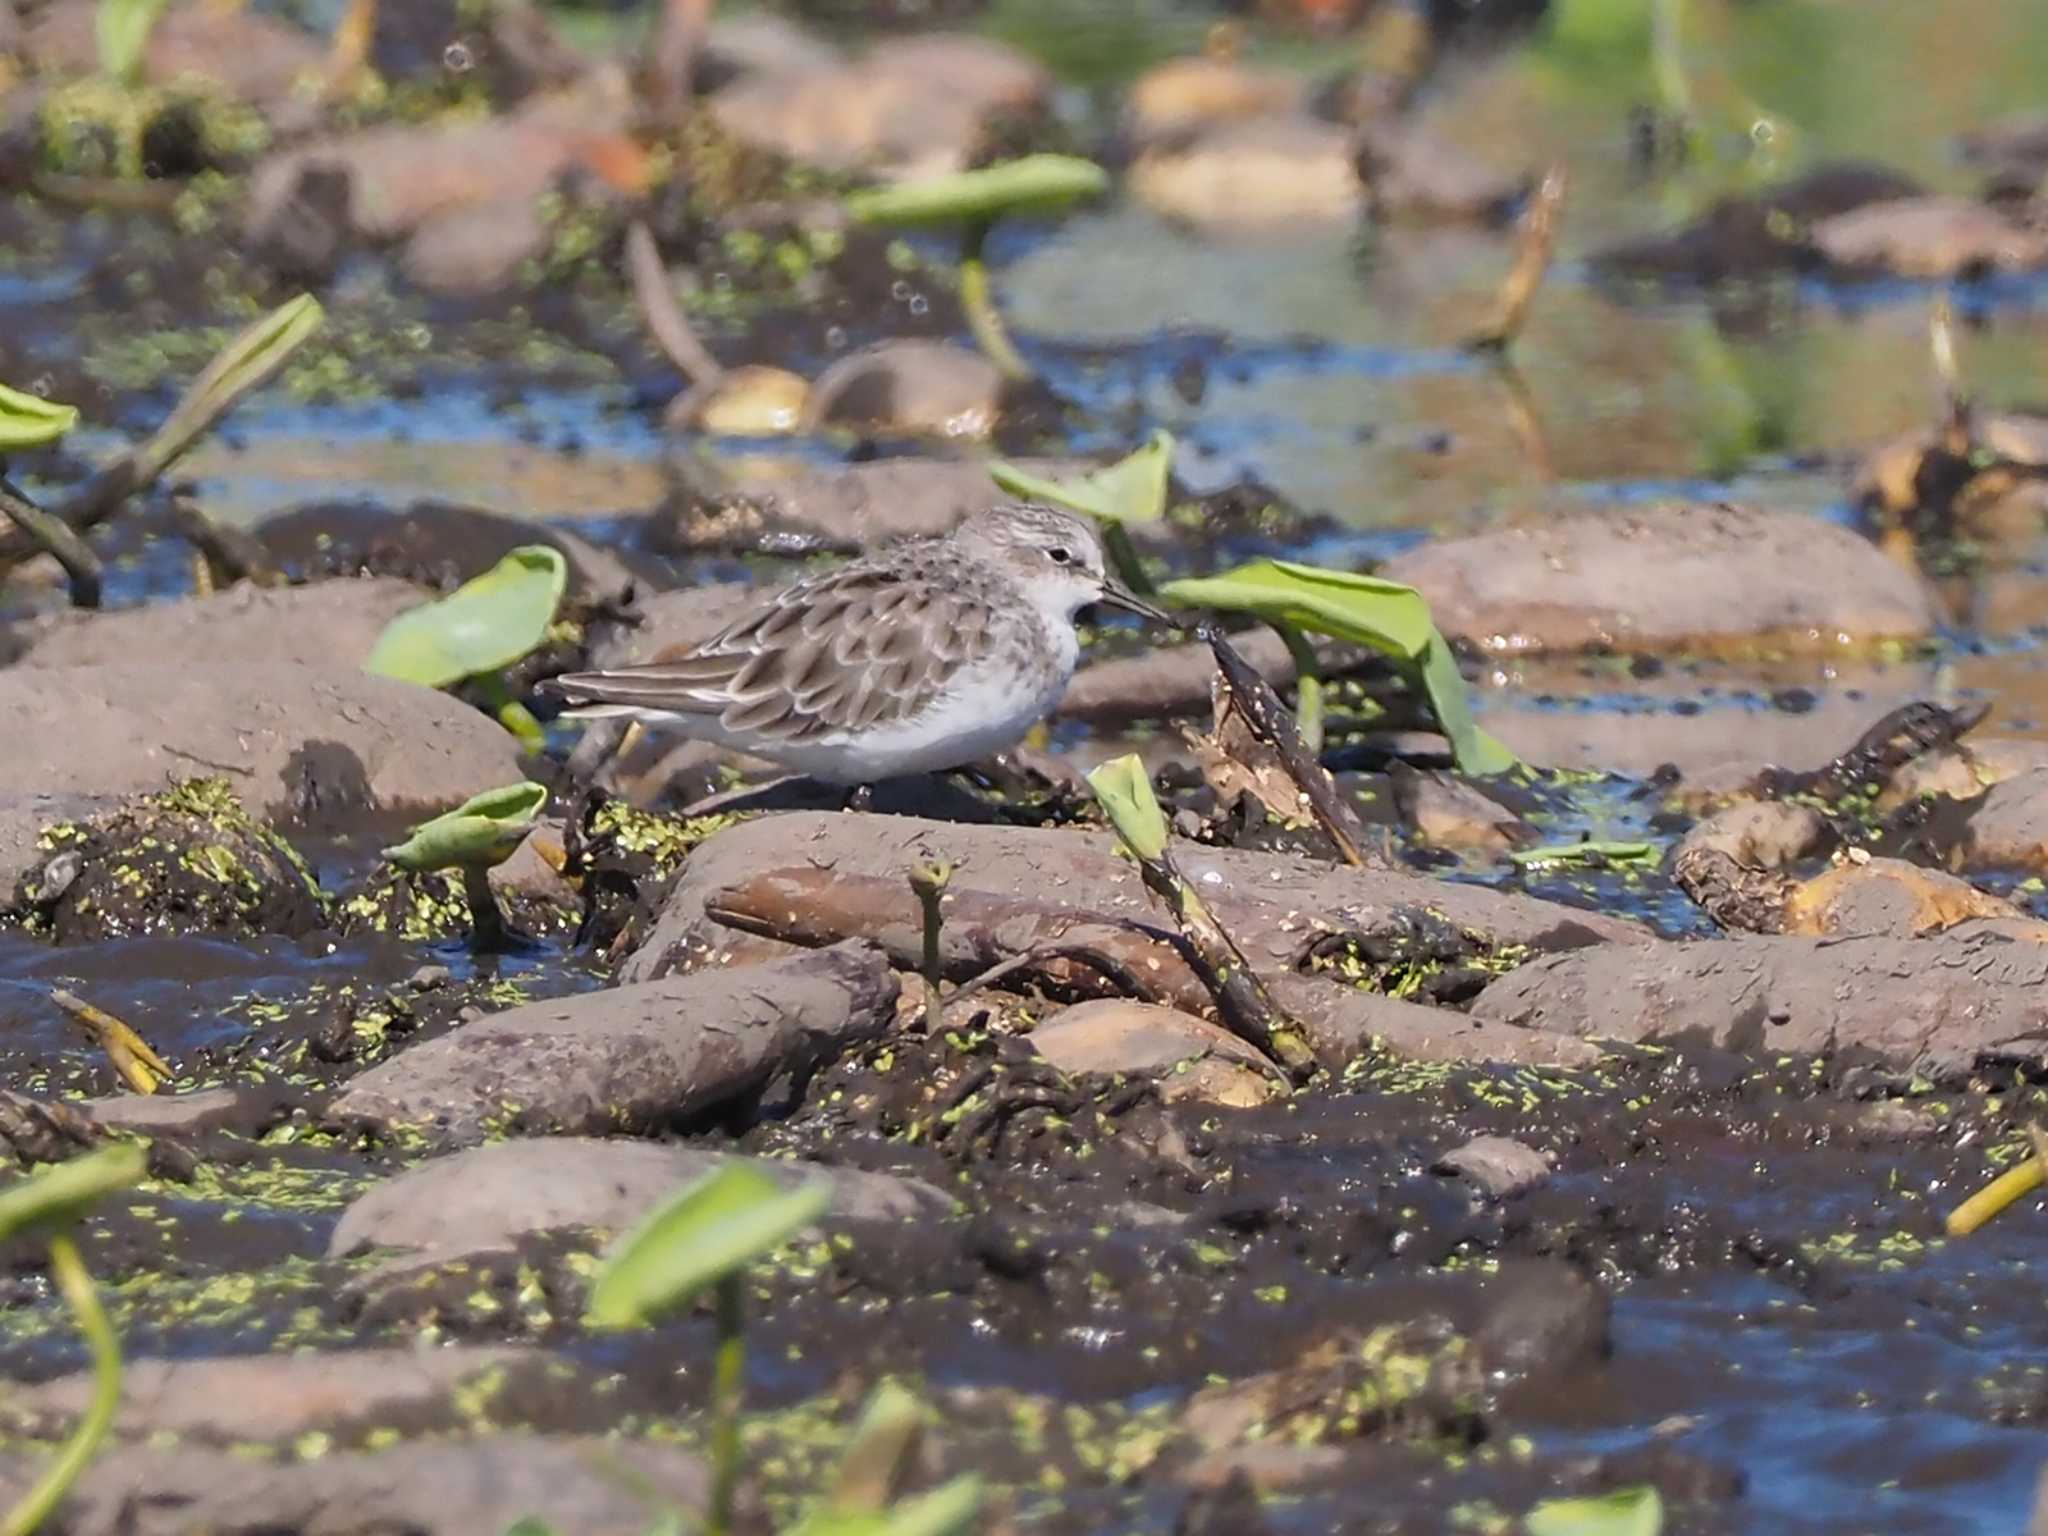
<point>1033,184</point>
<point>27,421</point>
<point>483,830</point>
<point>59,1195</point>
<point>1630,1512</point>
<point>948,1510</point>
<point>121,29</point>
<point>1132,490</point>
<point>1125,790</point>
<point>250,358</point>
<point>1474,751</point>
<point>882,1444</point>
<point>529,1525</point>
<point>722,1222</point>
<point>1364,610</point>
<point>1580,853</point>
<point>481,626</point>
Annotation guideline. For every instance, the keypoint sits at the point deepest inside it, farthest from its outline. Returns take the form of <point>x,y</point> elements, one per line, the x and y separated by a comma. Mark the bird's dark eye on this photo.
<point>1060,555</point>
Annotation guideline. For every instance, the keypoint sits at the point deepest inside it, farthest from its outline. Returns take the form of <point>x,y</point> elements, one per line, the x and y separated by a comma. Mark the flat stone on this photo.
<point>787,505</point>
<point>1945,1006</point>
<point>485,1199</point>
<point>1253,175</point>
<point>1669,577</point>
<point>1499,1167</point>
<point>1192,1057</point>
<point>1929,238</point>
<point>630,1057</point>
<point>243,1108</point>
<point>289,738</point>
<point>1268,902</point>
<point>2008,829</point>
<point>589,1485</point>
<point>271,1399</point>
<point>325,624</point>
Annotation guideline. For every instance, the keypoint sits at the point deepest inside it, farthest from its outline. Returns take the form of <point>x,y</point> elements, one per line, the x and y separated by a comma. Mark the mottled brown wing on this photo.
<point>849,648</point>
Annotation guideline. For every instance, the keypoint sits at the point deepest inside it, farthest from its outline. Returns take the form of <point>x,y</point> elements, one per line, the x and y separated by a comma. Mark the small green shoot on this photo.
<point>1627,1512</point>
<point>50,1203</point>
<point>1364,610</point>
<point>1032,184</point>
<point>121,31</point>
<point>479,629</point>
<point>483,831</point>
<point>1132,490</point>
<point>875,1461</point>
<point>1124,789</point>
<point>711,1230</point>
<point>29,421</point>
<point>974,200</point>
<point>703,1239</point>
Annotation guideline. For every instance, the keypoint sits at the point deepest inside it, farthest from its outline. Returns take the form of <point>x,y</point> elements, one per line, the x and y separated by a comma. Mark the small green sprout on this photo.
<point>475,837</point>
<point>51,1203</point>
<point>703,1239</point>
<point>974,201</point>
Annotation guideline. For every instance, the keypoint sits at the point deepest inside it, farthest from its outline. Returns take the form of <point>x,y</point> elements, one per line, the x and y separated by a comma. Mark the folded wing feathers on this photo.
<point>845,650</point>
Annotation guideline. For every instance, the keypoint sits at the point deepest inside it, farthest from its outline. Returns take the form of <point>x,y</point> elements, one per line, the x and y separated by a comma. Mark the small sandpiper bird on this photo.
<point>927,655</point>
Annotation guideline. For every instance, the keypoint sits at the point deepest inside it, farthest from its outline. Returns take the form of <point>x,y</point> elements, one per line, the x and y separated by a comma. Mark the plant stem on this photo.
<point>983,319</point>
<point>928,883</point>
<point>68,1269</point>
<point>486,922</point>
<point>57,538</point>
<point>725,1404</point>
<point>1308,682</point>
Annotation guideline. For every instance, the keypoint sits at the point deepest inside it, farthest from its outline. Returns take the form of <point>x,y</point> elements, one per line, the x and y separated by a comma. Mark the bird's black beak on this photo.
<point>1116,595</point>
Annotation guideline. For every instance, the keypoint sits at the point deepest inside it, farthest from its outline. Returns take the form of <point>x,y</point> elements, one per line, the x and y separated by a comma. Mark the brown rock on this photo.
<point>912,106</point>
<point>1929,237</point>
<point>911,388</point>
<point>1192,1057</point>
<point>1271,904</point>
<point>469,251</point>
<point>1669,577</point>
<point>1941,1006</point>
<point>272,1399</point>
<point>628,1058</point>
<point>1253,175</point>
<point>1409,172</point>
<point>595,1486</point>
<point>485,1199</point>
<point>330,624</point>
<point>250,56</point>
<point>397,178</point>
<point>785,505</point>
<point>1183,94</point>
<point>290,739</point>
<point>2008,829</point>
<point>1963,771</point>
<point>1890,896</point>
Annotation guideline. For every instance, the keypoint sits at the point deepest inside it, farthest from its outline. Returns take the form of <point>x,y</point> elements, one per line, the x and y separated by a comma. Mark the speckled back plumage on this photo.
<point>873,643</point>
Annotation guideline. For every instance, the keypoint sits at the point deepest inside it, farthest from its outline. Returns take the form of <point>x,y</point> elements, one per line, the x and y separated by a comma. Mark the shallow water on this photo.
<point>1327,369</point>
